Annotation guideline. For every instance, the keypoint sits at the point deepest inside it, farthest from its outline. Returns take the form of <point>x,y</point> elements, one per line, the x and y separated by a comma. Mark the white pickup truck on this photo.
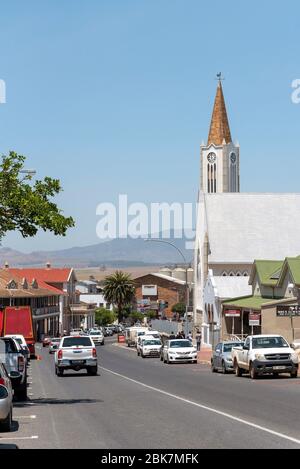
<point>76,353</point>
<point>264,354</point>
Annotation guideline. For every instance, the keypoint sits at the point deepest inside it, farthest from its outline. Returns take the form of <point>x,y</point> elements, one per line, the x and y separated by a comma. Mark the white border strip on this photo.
<point>210,409</point>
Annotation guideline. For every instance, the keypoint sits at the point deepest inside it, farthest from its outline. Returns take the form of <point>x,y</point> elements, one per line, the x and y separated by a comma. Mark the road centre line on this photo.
<point>204,407</point>
<point>34,437</point>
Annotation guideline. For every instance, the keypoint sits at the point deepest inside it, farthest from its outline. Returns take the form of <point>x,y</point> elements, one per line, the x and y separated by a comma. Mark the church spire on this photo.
<point>219,131</point>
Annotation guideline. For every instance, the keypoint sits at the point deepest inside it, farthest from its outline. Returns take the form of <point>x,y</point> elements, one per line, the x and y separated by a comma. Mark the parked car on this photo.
<point>265,354</point>
<point>54,344</point>
<point>15,364</point>
<point>140,341</point>
<point>178,350</point>
<point>46,341</point>
<point>150,347</point>
<point>76,353</point>
<point>221,359</point>
<point>97,336</point>
<point>77,331</point>
<point>22,342</point>
<point>6,398</point>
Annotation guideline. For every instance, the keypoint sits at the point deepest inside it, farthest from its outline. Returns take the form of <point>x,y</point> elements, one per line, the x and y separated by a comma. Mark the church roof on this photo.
<point>243,227</point>
<point>219,126</point>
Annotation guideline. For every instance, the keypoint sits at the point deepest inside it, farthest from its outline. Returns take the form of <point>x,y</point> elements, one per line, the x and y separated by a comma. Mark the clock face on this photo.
<point>233,158</point>
<point>211,157</point>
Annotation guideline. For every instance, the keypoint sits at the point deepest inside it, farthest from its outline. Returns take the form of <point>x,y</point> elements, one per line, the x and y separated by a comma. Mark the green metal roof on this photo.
<point>251,302</point>
<point>265,269</point>
<point>294,265</point>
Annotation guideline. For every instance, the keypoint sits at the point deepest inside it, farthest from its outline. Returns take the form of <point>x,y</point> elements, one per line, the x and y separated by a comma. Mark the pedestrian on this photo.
<point>198,340</point>
<point>190,337</point>
<point>178,335</point>
<point>182,335</point>
<point>172,336</point>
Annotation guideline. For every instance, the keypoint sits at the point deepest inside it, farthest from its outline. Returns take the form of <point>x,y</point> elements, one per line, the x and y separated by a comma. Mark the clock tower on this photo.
<point>220,158</point>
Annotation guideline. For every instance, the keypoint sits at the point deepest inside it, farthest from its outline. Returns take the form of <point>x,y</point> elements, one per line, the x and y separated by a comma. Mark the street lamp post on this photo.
<point>186,279</point>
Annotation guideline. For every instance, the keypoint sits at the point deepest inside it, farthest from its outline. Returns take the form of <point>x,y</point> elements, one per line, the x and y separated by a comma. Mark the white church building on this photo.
<point>233,228</point>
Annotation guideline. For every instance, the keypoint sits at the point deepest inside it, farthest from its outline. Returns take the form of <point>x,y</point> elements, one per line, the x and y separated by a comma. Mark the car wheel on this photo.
<point>138,353</point>
<point>213,369</point>
<point>168,360</point>
<point>6,425</point>
<point>238,370</point>
<point>92,371</point>
<point>294,374</point>
<point>21,392</point>
<point>252,372</point>
<point>60,371</point>
<point>161,357</point>
<point>224,369</point>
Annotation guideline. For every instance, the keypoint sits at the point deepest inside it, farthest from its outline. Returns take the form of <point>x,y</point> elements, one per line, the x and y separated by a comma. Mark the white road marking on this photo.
<point>34,437</point>
<point>204,407</point>
<point>25,416</point>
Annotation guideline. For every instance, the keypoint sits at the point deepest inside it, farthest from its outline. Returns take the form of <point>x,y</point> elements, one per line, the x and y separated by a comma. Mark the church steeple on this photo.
<point>220,158</point>
<point>219,132</point>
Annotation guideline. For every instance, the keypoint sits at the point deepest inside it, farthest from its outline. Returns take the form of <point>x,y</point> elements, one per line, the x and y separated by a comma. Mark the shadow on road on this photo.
<point>55,401</point>
<point>3,446</point>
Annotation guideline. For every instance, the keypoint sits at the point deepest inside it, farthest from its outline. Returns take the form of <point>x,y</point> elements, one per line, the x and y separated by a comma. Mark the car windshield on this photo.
<point>77,342</point>
<point>141,333</point>
<point>269,342</point>
<point>180,343</point>
<point>152,342</point>
<point>95,333</point>
<point>228,347</point>
<point>10,346</point>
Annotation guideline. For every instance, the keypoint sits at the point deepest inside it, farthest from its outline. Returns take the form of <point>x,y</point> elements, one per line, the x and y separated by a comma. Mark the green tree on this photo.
<point>151,314</point>
<point>119,290</point>
<point>179,308</point>
<point>136,316</point>
<point>27,207</point>
<point>103,316</point>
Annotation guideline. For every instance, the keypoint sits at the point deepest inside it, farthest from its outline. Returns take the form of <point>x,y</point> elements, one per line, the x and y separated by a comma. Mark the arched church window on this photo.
<point>233,172</point>
<point>224,274</point>
<point>231,274</point>
<point>238,274</point>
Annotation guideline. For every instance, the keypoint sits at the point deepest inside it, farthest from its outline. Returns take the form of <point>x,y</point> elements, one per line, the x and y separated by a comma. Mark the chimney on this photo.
<point>48,265</point>
<point>6,265</point>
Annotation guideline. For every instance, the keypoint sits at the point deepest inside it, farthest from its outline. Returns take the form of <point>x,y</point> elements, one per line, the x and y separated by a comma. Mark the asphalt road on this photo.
<point>143,403</point>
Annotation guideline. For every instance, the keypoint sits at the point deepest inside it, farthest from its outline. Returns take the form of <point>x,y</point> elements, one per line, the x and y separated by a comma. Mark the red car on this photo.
<point>46,341</point>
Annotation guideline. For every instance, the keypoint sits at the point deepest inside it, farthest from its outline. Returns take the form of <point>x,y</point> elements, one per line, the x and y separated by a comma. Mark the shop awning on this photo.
<point>251,302</point>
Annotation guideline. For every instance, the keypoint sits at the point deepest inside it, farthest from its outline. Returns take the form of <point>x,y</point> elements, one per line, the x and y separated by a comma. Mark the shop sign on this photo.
<point>232,313</point>
<point>254,319</point>
<point>288,311</point>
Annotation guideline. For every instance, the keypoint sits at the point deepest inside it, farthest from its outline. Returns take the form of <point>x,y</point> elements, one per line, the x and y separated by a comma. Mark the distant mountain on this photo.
<point>123,252</point>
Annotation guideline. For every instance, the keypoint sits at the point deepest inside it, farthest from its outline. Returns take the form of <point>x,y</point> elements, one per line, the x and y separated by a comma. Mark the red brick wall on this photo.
<point>166,290</point>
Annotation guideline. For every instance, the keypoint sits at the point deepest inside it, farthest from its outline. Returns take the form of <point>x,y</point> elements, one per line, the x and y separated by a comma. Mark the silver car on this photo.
<point>6,397</point>
<point>221,359</point>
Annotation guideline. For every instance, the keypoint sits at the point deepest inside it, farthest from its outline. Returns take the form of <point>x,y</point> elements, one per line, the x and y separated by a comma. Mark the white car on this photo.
<point>140,341</point>
<point>151,347</point>
<point>76,353</point>
<point>23,344</point>
<point>178,350</point>
<point>77,331</point>
<point>97,336</point>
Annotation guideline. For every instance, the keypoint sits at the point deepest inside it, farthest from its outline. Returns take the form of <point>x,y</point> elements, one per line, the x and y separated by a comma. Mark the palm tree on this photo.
<point>119,290</point>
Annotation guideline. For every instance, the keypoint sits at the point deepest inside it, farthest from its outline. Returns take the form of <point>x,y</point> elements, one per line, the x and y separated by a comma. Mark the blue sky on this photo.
<point>115,96</point>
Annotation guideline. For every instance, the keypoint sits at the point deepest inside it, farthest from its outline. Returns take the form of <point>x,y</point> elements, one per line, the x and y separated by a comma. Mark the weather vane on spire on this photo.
<point>219,77</point>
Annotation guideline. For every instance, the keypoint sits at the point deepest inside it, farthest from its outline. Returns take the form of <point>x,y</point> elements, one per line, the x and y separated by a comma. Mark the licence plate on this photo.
<point>278,367</point>
<point>77,362</point>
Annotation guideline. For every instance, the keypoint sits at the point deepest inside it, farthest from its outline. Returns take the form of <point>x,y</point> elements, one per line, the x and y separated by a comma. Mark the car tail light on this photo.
<point>2,382</point>
<point>94,353</point>
<point>21,363</point>
<point>60,354</point>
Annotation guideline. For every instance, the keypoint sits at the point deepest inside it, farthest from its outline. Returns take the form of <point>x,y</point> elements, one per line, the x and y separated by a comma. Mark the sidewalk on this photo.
<point>204,355</point>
